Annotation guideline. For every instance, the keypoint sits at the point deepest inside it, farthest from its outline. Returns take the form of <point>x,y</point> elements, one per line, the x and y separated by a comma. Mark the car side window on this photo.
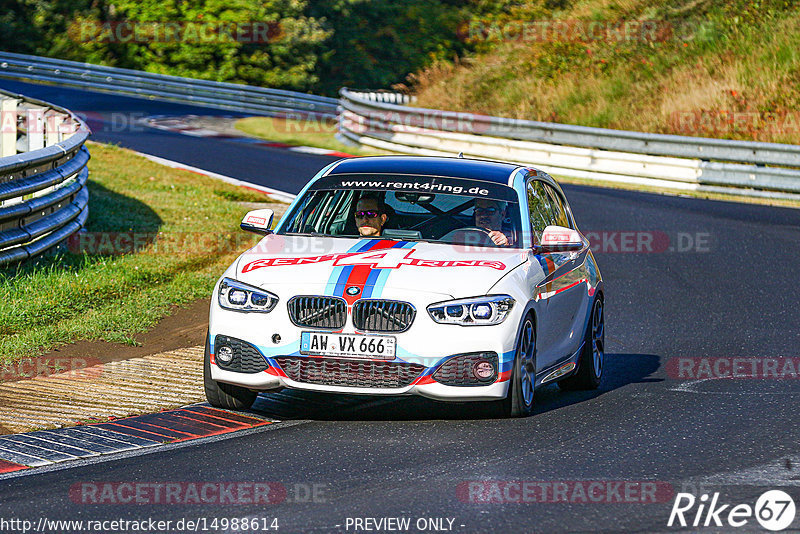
<point>559,210</point>
<point>540,208</point>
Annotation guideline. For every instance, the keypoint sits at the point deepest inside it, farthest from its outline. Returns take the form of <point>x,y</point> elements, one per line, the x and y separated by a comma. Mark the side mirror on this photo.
<point>258,221</point>
<point>560,239</point>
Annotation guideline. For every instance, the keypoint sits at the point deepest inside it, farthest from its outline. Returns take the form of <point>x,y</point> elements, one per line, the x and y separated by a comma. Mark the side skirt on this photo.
<point>563,369</point>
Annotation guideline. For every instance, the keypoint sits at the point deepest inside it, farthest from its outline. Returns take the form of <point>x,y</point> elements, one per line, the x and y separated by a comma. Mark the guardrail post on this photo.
<point>45,187</point>
<point>35,129</point>
<point>52,127</point>
<point>8,126</point>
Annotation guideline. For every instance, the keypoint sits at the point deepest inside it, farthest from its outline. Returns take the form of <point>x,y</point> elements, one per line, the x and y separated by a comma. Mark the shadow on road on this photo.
<point>621,370</point>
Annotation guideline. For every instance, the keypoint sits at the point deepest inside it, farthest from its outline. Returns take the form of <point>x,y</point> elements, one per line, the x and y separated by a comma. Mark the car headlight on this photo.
<point>475,311</point>
<point>234,295</point>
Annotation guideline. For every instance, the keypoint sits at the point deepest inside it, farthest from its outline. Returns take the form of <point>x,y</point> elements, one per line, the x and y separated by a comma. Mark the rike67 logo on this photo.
<point>774,510</point>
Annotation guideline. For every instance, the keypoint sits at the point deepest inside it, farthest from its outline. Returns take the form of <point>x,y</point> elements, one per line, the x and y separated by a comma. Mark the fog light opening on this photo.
<point>225,354</point>
<point>483,371</point>
<point>470,369</point>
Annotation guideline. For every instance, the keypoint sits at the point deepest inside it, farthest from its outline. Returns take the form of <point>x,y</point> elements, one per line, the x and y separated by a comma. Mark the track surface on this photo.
<point>407,457</point>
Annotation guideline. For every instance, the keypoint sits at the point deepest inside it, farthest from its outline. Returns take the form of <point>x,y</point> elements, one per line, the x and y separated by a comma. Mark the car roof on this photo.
<point>475,169</point>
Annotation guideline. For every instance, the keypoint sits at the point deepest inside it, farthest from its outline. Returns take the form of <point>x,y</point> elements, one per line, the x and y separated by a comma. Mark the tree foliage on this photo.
<point>316,46</point>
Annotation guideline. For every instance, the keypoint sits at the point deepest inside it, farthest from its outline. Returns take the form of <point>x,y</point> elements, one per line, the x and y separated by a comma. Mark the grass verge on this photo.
<point>179,229</point>
<point>710,69</point>
<point>318,133</point>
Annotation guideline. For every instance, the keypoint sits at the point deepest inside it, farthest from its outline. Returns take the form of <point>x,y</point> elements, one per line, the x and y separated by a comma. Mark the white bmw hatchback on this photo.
<point>455,279</point>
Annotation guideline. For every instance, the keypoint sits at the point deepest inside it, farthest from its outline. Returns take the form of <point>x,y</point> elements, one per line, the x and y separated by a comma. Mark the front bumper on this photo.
<point>433,390</point>
<point>426,344</point>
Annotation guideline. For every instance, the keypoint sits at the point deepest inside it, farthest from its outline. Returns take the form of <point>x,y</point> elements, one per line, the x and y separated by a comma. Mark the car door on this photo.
<point>559,335</point>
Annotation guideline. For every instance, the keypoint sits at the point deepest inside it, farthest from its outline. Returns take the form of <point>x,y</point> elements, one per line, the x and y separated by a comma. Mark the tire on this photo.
<point>222,395</point>
<point>519,399</point>
<point>591,361</point>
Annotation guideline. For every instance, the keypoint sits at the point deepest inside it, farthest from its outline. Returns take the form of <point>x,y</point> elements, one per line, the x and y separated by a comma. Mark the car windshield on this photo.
<point>409,208</point>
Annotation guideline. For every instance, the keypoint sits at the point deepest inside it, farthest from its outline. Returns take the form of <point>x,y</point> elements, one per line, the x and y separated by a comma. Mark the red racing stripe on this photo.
<point>551,268</point>
<point>573,284</point>
<point>426,379</point>
<point>505,375</point>
<point>360,273</point>
<point>275,371</point>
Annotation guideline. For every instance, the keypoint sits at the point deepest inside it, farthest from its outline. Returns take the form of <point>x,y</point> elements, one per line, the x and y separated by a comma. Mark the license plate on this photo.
<point>347,345</point>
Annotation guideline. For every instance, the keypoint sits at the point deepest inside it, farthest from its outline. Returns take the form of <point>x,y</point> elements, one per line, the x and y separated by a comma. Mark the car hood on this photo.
<point>327,265</point>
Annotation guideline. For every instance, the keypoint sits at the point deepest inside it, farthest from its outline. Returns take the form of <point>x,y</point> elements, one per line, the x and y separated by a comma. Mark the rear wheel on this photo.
<point>222,395</point>
<point>519,399</point>
<point>590,364</point>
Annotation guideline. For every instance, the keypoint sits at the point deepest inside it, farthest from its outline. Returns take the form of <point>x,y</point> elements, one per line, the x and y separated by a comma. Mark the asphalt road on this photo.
<point>116,119</point>
<point>731,294</point>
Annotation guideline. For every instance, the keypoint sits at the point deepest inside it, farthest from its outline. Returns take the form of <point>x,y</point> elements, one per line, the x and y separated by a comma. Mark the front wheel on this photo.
<point>519,399</point>
<point>221,395</point>
<point>590,364</point>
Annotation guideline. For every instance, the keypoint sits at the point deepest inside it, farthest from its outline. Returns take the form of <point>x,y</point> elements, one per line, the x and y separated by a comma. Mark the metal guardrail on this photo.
<point>380,120</point>
<point>206,93</point>
<point>43,174</point>
<point>688,163</point>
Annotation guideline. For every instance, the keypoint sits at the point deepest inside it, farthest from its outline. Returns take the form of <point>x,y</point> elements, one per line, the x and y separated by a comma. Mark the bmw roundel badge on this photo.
<point>353,291</point>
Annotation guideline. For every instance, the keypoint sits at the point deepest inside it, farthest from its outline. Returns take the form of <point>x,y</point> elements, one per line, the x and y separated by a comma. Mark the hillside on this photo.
<point>687,67</point>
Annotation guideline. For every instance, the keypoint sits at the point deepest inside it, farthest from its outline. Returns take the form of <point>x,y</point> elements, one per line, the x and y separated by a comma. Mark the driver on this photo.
<point>489,214</point>
<point>370,216</point>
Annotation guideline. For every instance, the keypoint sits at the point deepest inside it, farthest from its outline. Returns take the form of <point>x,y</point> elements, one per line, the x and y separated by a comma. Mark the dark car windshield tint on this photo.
<point>419,184</point>
<point>417,208</point>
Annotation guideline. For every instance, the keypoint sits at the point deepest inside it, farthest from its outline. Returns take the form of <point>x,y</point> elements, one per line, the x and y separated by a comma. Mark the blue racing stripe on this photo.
<point>339,275</point>
<point>369,286</point>
<point>341,282</point>
<point>544,265</point>
<point>507,360</point>
<point>383,274</point>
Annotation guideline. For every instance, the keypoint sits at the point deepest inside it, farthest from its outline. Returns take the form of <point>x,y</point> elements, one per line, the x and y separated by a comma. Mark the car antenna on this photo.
<point>461,155</point>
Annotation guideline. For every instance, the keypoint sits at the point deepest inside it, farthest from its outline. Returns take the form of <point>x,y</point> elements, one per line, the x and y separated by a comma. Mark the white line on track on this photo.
<point>282,196</point>
<point>691,387</point>
<point>777,473</point>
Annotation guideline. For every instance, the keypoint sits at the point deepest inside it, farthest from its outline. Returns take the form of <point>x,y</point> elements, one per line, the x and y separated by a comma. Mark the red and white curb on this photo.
<point>19,452</point>
<point>182,125</point>
<point>275,194</point>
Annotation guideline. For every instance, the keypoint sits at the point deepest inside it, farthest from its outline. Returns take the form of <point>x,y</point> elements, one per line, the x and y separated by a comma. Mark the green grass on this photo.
<point>78,296</point>
<point>316,133</point>
<point>717,59</point>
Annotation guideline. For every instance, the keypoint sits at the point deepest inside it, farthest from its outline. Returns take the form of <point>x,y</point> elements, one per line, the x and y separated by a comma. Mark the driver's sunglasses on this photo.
<point>491,210</point>
<point>370,214</point>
